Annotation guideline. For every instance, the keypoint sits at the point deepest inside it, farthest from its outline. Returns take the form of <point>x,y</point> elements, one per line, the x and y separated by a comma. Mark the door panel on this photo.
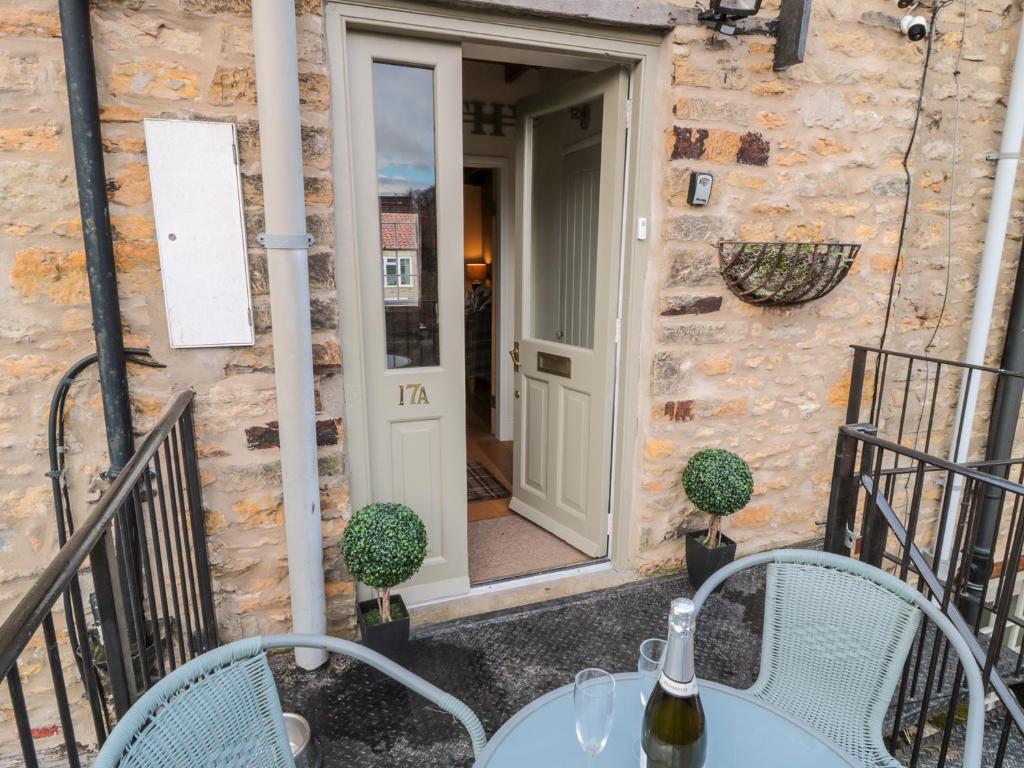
<point>535,460</point>
<point>406,133</point>
<point>571,161</point>
<point>574,435</point>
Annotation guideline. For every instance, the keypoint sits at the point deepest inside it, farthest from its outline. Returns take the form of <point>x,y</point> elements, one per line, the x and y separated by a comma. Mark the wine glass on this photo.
<point>594,700</point>
<point>652,659</point>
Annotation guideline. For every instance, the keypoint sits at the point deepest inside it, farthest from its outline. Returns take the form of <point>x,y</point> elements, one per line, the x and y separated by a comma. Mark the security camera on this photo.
<point>914,27</point>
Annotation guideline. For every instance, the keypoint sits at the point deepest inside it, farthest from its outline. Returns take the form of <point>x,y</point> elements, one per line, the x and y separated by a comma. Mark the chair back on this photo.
<point>220,710</point>
<point>832,652</point>
<point>837,633</point>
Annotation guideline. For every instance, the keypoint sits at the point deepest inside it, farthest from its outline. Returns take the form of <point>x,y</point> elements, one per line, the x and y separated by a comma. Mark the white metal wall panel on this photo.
<point>200,229</point>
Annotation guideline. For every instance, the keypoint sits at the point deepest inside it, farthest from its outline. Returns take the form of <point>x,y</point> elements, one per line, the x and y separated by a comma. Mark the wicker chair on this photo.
<point>836,635</point>
<point>221,710</point>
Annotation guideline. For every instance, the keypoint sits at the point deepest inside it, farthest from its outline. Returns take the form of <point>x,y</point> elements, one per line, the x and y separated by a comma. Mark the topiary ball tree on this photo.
<point>384,545</point>
<point>719,483</point>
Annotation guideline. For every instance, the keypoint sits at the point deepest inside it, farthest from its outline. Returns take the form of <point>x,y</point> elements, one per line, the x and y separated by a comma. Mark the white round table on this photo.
<point>743,732</point>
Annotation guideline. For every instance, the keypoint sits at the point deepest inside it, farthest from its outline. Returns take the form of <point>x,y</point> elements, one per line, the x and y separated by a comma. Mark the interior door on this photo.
<point>571,162</point>
<point>406,132</point>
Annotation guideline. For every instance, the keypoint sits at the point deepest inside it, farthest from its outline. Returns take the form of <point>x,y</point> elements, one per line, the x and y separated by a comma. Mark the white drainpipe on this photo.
<point>277,89</point>
<point>988,278</point>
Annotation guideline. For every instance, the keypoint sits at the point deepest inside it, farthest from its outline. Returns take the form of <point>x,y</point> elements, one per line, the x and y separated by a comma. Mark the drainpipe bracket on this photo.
<point>994,156</point>
<point>285,242</point>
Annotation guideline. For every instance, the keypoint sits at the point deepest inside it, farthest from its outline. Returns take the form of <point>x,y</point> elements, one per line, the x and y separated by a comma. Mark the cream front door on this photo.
<point>571,163</point>
<point>405,99</point>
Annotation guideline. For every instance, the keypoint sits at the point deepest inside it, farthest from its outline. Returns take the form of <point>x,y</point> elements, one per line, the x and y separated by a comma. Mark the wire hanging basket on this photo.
<point>777,274</point>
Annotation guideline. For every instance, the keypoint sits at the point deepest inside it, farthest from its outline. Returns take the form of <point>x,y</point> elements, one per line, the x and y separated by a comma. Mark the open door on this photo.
<point>406,138</point>
<point>571,162</point>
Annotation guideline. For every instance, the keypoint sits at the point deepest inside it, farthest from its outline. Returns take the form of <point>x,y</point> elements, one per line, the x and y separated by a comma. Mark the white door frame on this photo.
<point>648,53</point>
<point>506,284</point>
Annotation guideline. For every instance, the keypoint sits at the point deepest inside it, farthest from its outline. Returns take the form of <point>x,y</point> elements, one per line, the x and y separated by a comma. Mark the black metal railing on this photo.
<point>140,557</point>
<point>915,400</point>
<point>955,530</point>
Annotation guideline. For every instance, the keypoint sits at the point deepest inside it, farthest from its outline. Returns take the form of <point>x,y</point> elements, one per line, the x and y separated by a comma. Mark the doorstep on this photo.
<point>515,593</point>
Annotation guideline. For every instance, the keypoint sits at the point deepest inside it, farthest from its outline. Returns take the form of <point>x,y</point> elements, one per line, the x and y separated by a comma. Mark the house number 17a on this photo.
<point>412,394</point>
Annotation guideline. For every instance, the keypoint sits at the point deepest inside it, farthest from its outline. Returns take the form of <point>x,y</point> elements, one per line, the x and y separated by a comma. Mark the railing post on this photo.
<point>112,623</point>
<point>874,531</point>
<point>842,500</point>
<point>198,525</point>
<point>860,358</point>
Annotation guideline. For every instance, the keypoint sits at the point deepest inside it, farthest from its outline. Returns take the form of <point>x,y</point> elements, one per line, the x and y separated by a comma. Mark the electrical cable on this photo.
<point>906,172</point>
<point>952,176</point>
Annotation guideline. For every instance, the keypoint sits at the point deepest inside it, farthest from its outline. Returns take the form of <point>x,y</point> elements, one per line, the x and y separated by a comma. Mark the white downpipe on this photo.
<point>988,278</point>
<point>277,89</point>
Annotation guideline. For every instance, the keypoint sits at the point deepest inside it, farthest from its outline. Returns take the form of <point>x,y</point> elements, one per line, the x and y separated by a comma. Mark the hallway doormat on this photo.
<point>482,485</point>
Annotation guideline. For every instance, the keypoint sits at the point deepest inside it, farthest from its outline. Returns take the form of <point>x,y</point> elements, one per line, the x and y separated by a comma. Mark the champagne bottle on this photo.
<point>673,730</point>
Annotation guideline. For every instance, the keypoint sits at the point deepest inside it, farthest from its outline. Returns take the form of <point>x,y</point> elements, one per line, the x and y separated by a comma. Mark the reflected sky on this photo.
<point>403,107</point>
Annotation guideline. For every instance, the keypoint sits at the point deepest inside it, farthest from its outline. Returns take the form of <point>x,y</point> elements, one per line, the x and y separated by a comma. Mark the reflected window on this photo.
<point>403,99</point>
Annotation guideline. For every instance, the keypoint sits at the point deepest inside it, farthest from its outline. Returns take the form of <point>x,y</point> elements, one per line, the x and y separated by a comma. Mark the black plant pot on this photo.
<point>701,562</point>
<point>391,639</point>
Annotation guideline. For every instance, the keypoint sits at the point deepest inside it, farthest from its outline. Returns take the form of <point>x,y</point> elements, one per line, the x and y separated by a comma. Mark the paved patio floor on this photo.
<point>500,662</point>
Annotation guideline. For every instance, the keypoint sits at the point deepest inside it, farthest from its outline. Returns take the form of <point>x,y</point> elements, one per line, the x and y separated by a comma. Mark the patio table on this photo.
<point>743,732</point>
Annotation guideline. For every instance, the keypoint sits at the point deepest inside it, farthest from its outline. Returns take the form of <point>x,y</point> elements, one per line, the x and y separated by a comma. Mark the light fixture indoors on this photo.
<point>476,273</point>
<point>724,13</point>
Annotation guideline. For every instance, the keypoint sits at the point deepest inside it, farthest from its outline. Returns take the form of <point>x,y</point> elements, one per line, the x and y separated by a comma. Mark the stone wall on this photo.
<point>155,58</point>
<point>813,153</point>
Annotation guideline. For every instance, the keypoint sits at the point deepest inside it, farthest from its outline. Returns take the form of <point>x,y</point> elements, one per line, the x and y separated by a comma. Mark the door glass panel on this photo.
<point>565,203</point>
<point>403,108</point>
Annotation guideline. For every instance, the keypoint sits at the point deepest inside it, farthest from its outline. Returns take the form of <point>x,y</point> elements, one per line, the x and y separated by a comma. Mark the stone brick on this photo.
<point>684,72</point>
<point>115,113</point>
<point>772,119</point>
<point>679,410</point>
<point>268,435</point>
<point>26,185</point>
<point>828,145</point>
<point>327,357</point>
<point>690,305</point>
<point>233,85</point>
<point>718,364</point>
<point>158,79</point>
<point>47,273</point>
<point>691,267</point>
<point>321,270</point>
<point>28,23</point>
<point>699,227</point>
<point>129,185</point>
<point>18,73</point>
<point>753,149</point>
<point>890,185</point>
<point>669,373</point>
<point>314,91</point>
<point>659,449</point>
<point>702,333</point>
<point>773,87</point>
<point>753,517</point>
<point>688,143</point>
<point>701,109</point>
<point>824,109</point>
<point>113,144</point>
<point>722,147</point>
<point>31,138</point>
<point>791,159</point>
<point>745,181</point>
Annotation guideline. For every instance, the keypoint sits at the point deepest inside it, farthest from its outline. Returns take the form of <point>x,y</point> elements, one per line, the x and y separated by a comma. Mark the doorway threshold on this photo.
<point>522,590</point>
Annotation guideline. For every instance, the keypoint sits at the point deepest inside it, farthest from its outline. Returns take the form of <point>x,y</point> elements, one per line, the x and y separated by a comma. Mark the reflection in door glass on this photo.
<point>403,108</point>
<point>565,204</point>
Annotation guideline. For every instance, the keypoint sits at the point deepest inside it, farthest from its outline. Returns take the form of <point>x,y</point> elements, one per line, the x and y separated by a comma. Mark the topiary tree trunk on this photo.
<point>714,532</point>
<point>384,603</point>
